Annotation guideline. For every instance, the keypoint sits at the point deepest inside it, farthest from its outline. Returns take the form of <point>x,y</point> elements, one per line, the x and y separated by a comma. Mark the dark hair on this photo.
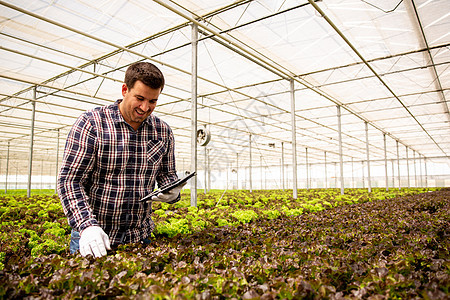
<point>146,72</point>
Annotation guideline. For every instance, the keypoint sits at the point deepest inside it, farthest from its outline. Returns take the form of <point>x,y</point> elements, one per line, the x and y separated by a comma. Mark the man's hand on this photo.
<point>94,241</point>
<point>169,196</point>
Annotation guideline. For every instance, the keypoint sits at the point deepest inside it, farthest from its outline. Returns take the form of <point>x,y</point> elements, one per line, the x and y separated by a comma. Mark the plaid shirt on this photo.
<point>108,167</point>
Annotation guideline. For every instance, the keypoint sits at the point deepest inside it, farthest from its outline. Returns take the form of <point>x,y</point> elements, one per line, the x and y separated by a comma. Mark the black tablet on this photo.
<point>169,186</point>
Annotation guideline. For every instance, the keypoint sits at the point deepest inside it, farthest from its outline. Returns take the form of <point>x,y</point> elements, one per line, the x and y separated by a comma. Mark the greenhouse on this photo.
<point>309,94</point>
<point>276,99</point>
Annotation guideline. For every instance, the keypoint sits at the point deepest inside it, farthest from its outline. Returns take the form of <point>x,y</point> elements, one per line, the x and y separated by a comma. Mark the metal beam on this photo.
<point>194,40</point>
<point>338,31</point>
<point>30,162</point>
<point>307,169</point>
<point>294,142</point>
<point>398,165</point>
<point>127,48</point>
<point>57,161</point>
<point>277,69</point>
<point>325,173</point>
<point>7,169</point>
<point>428,56</point>
<point>250,161</point>
<point>341,164</point>
<point>282,166</point>
<point>385,163</point>
<point>407,166</point>
<point>368,158</point>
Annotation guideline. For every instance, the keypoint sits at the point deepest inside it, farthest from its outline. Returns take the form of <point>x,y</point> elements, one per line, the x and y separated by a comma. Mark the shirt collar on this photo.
<point>117,116</point>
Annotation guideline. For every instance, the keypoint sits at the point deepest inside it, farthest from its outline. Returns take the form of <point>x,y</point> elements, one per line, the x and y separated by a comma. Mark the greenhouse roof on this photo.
<point>383,64</point>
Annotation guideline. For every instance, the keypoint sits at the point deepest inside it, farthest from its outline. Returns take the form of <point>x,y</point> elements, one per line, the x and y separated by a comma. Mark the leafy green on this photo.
<point>323,245</point>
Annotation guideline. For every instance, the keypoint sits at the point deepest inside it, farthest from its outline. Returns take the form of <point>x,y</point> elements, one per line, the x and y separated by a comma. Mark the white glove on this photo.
<point>169,196</point>
<point>94,241</point>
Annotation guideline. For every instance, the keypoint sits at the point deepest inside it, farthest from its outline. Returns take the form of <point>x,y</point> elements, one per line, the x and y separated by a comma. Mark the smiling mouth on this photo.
<point>140,112</point>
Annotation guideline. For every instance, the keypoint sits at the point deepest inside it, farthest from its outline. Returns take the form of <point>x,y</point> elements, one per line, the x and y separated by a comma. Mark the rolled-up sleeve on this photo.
<point>78,162</point>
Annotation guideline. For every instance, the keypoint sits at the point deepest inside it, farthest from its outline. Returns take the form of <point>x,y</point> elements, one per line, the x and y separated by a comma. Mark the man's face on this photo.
<point>138,103</point>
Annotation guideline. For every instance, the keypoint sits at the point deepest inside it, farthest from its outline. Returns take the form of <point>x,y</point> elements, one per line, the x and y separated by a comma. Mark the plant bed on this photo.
<point>360,246</point>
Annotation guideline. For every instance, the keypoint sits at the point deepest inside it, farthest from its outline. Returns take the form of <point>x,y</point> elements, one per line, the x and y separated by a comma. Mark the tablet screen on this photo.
<point>169,186</point>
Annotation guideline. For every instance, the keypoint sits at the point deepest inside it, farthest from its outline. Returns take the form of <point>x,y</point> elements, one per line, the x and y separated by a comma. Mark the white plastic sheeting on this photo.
<point>384,62</point>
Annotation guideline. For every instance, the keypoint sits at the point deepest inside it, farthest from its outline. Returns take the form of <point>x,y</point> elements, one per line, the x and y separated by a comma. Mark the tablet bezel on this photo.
<point>169,186</point>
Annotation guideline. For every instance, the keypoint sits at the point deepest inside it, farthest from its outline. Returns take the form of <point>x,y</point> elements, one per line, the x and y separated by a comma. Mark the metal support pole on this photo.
<point>30,163</point>
<point>385,163</point>
<point>245,178</point>
<point>261,171</point>
<point>282,165</point>
<point>407,165</point>
<point>393,173</point>
<point>363,176</point>
<point>228,169</point>
<point>294,141</point>
<point>250,162</point>
<point>57,160</point>
<point>353,176</point>
<point>266,168</point>
<point>307,169</point>
<point>335,175</point>
<point>194,44</point>
<point>42,174</point>
<point>17,174</point>
<point>325,166</point>
<point>426,173</point>
<point>7,169</point>
<point>368,159</point>
<point>415,170</point>
<point>281,174</point>
<point>398,165</point>
<point>206,171</point>
<point>421,172</point>
<point>237,171</point>
<point>208,159</point>
<point>341,163</point>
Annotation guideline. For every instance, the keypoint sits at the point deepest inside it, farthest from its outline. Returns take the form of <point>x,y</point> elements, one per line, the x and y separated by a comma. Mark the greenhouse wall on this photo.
<point>270,177</point>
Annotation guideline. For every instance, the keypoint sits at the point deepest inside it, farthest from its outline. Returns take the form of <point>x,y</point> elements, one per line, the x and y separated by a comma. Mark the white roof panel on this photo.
<point>386,63</point>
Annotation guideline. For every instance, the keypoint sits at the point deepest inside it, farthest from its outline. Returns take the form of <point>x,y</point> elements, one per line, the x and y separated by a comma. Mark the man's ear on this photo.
<point>124,89</point>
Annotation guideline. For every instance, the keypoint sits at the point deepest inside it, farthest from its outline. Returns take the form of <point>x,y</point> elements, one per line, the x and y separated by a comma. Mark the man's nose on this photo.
<point>145,106</point>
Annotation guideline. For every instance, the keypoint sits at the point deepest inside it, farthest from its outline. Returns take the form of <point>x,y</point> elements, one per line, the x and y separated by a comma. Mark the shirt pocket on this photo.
<point>155,151</point>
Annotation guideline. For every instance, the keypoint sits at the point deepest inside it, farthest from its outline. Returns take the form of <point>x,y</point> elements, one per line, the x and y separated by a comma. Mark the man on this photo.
<point>112,159</point>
